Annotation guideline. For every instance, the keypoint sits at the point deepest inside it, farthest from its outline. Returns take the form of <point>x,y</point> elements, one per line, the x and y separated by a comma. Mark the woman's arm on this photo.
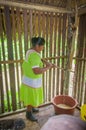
<point>39,70</point>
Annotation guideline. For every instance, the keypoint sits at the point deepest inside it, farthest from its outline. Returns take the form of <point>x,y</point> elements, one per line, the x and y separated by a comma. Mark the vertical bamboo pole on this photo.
<point>19,29</point>
<point>57,71</point>
<point>17,83</point>
<point>47,44</point>
<point>66,79</point>
<point>34,23</point>
<point>50,54</point>
<point>39,23</point>
<point>25,22</point>
<point>19,45</point>
<point>63,50</point>
<point>85,61</point>
<point>10,56</point>
<point>61,63</point>
<point>82,74</point>
<point>79,80</point>
<point>1,83</point>
<point>85,93</point>
<point>58,53</point>
<point>43,28</point>
<point>55,46</point>
<point>74,36</point>
<point>28,27</point>
<point>31,24</point>
<point>82,83</point>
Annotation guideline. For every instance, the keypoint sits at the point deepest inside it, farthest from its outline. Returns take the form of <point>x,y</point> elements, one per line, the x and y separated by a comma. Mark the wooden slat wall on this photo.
<point>16,29</point>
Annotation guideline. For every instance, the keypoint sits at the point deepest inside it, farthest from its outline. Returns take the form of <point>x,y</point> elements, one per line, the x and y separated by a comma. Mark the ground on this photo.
<point>44,114</point>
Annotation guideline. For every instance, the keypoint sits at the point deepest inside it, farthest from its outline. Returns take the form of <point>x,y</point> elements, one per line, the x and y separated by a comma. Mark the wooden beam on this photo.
<point>34,6</point>
<point>22,110</point>
<point>82,11</point>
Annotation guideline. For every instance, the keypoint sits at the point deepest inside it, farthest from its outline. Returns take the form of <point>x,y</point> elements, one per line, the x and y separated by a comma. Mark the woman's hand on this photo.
<point>48,64</point>
<point>42,70</point>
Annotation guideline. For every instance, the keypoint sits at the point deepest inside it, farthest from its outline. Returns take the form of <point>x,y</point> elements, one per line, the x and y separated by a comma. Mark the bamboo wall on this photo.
<point>17,26</point>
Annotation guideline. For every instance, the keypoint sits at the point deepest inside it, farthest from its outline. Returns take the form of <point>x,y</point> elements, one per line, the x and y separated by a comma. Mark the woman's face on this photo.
<point>39,48</point>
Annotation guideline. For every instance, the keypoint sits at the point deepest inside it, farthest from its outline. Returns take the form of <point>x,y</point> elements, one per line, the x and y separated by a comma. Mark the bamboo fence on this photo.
<point>17,26</point>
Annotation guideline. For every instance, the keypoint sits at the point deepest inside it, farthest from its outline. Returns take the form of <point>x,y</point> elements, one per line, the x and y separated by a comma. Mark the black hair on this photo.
<point>37,41</point>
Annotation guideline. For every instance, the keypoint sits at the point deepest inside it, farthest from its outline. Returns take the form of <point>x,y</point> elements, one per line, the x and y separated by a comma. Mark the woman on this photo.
<point>31,89</point>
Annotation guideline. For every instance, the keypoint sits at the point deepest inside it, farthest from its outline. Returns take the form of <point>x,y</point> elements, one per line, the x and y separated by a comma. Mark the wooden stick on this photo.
<point>64,69</point>
<point>55,66</point>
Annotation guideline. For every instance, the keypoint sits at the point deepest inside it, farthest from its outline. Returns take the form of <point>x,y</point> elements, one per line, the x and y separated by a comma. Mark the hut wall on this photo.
<point>17,27</point>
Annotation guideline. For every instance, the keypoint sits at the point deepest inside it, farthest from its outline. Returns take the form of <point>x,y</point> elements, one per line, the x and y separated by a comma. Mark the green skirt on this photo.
<point>31,96</point>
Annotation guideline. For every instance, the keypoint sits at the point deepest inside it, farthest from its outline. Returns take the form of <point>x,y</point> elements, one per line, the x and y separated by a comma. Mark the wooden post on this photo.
<point>70,44</point>
<point>74,27</point>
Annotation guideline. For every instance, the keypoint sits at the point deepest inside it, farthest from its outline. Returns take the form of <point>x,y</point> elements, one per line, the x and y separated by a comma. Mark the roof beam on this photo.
<point>34,6</point>
<point>82,11</point>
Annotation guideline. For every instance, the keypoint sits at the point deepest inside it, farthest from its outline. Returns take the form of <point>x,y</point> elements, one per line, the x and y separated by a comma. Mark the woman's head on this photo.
<point>38,43</point>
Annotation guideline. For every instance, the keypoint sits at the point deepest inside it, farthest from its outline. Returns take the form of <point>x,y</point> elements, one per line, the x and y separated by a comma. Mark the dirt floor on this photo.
<point>44,114</point>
